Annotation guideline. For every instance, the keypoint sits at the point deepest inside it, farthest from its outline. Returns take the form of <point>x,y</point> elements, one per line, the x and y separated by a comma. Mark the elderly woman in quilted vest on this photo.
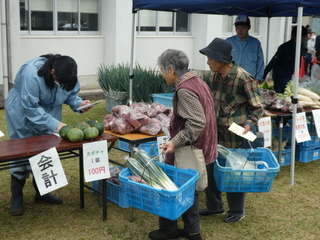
<point>193,120</point>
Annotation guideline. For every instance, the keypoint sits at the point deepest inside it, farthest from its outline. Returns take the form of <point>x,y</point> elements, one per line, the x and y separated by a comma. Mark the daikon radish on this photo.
<point>308,104</point>
<point>317,102</point>
<point>302,97</point>
<point>308,93</point>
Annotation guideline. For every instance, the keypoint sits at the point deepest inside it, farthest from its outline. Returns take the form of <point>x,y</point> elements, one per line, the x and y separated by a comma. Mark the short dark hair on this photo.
<point>304,32</point>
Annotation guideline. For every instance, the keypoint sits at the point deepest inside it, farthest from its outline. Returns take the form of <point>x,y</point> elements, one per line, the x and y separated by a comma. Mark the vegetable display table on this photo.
<point>24,148</point>
<point>285,116</point>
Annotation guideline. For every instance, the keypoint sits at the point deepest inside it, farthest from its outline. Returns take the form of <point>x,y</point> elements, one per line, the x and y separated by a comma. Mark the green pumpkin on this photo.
<point>90,133</point>
<point>82,125</point>
<point>64,131</point>
<point>92,122</point>
<point>99,126</point>
<point>75,135</point>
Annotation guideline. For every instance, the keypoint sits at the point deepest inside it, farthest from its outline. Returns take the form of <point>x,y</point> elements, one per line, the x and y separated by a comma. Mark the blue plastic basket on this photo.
<point>307,154</point>
<point>150,147</point>
<point>247,180</point>
<point>161,202</point>
<point>163,98</point>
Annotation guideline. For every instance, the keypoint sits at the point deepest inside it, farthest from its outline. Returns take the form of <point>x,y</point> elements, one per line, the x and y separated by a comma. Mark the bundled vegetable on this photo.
<point>138,170</point>
<point>306,98</point>
<point>146,168</point>
<point>155,170</point>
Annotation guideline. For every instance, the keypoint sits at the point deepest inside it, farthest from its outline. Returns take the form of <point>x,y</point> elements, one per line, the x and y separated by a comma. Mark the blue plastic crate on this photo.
<point>115,193</point>
<point>314,142</point>
<point>285,157</point>
<point>286,134</point>
<point>161,202</point>
<point>163,98</point>
<point>307,154</point>
<point>150,147</point>
<point>247,180</point>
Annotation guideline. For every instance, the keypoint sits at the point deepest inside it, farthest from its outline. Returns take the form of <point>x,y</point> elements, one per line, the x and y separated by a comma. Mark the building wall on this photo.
<point>87,51</point>
<point>113,44</point>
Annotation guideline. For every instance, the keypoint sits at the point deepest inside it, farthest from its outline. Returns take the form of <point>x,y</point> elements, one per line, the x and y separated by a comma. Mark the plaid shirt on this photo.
<point>237,99</point>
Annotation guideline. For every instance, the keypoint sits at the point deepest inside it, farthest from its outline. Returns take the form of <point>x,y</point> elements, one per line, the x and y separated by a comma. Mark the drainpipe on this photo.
<point>4,47</point>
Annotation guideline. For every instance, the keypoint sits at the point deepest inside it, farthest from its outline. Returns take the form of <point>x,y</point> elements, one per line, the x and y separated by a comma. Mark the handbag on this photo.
<point>190,157</point>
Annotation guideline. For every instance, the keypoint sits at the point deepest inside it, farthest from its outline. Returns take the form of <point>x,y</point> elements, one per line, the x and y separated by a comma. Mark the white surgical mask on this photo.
<point>313,37</point>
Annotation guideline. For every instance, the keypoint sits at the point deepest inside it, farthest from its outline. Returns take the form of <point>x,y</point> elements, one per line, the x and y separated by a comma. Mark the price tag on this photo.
<point>47,171</point>
<point>302,132</point>
<point>95,161</point>
<point>265,126</point>
<point>316,117</point>
<point>162,140</point>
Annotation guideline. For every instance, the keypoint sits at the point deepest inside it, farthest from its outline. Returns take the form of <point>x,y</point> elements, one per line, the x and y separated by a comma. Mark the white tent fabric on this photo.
<point>260,8</point>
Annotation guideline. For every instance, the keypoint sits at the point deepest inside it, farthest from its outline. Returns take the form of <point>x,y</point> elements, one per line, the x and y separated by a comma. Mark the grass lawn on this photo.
<point>286,212</point>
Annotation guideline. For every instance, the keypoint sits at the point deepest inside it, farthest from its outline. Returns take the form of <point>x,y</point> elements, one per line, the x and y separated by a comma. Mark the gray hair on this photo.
<point>176,59</point>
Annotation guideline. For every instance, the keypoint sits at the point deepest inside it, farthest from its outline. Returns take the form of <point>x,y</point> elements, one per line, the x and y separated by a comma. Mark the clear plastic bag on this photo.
<point>314,83</point>
<point>237,160</point>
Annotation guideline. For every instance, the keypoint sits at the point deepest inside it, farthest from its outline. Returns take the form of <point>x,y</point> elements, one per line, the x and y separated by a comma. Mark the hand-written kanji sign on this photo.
<point>95,161</point>
<point>316,118</point>
<point>48,171</point>
<point>302,133</point>
<point>265,126</point>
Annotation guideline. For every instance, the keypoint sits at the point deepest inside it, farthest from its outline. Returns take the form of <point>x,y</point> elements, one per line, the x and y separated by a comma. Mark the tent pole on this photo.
<point>295,95</point>
<point>132,55</point>
<point>268,33</point>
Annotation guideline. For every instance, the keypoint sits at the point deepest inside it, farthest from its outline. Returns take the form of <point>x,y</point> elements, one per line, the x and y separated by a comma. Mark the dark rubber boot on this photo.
<point>47,198</point>
<point>17,196</point>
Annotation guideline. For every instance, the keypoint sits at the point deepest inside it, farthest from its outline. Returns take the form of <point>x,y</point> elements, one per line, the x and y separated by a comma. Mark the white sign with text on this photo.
<point>265,126</point>
<point>47,171</point>
<point>316,118</point>
<point>95,161</point>
<point>162,140</point>
<point>302,132</point>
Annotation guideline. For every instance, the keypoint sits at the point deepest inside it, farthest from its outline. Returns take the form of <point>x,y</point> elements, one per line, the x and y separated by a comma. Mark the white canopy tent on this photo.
<point>261,8</point>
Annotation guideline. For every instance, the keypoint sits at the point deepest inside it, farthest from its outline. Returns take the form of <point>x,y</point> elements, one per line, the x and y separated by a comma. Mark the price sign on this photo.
<point>302,132</point>
<point>47,171</point>
<point>95,161</point>
<point>316,117</point>
<point>161,140</point>
<point>265,126</point>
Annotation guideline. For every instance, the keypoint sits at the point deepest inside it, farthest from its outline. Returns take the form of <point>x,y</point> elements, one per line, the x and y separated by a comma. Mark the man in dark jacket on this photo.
<point>283,61</point>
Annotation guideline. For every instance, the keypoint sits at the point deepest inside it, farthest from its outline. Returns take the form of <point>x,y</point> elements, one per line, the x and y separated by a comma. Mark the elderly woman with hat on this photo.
<point>236,99</point>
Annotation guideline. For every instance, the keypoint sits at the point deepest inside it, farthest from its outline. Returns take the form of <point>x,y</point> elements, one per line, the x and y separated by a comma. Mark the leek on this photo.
<point>155,171</point>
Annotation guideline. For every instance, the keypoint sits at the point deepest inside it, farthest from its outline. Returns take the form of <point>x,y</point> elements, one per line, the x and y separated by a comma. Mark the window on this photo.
<point>162,22</point>
<point>59,15</point>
